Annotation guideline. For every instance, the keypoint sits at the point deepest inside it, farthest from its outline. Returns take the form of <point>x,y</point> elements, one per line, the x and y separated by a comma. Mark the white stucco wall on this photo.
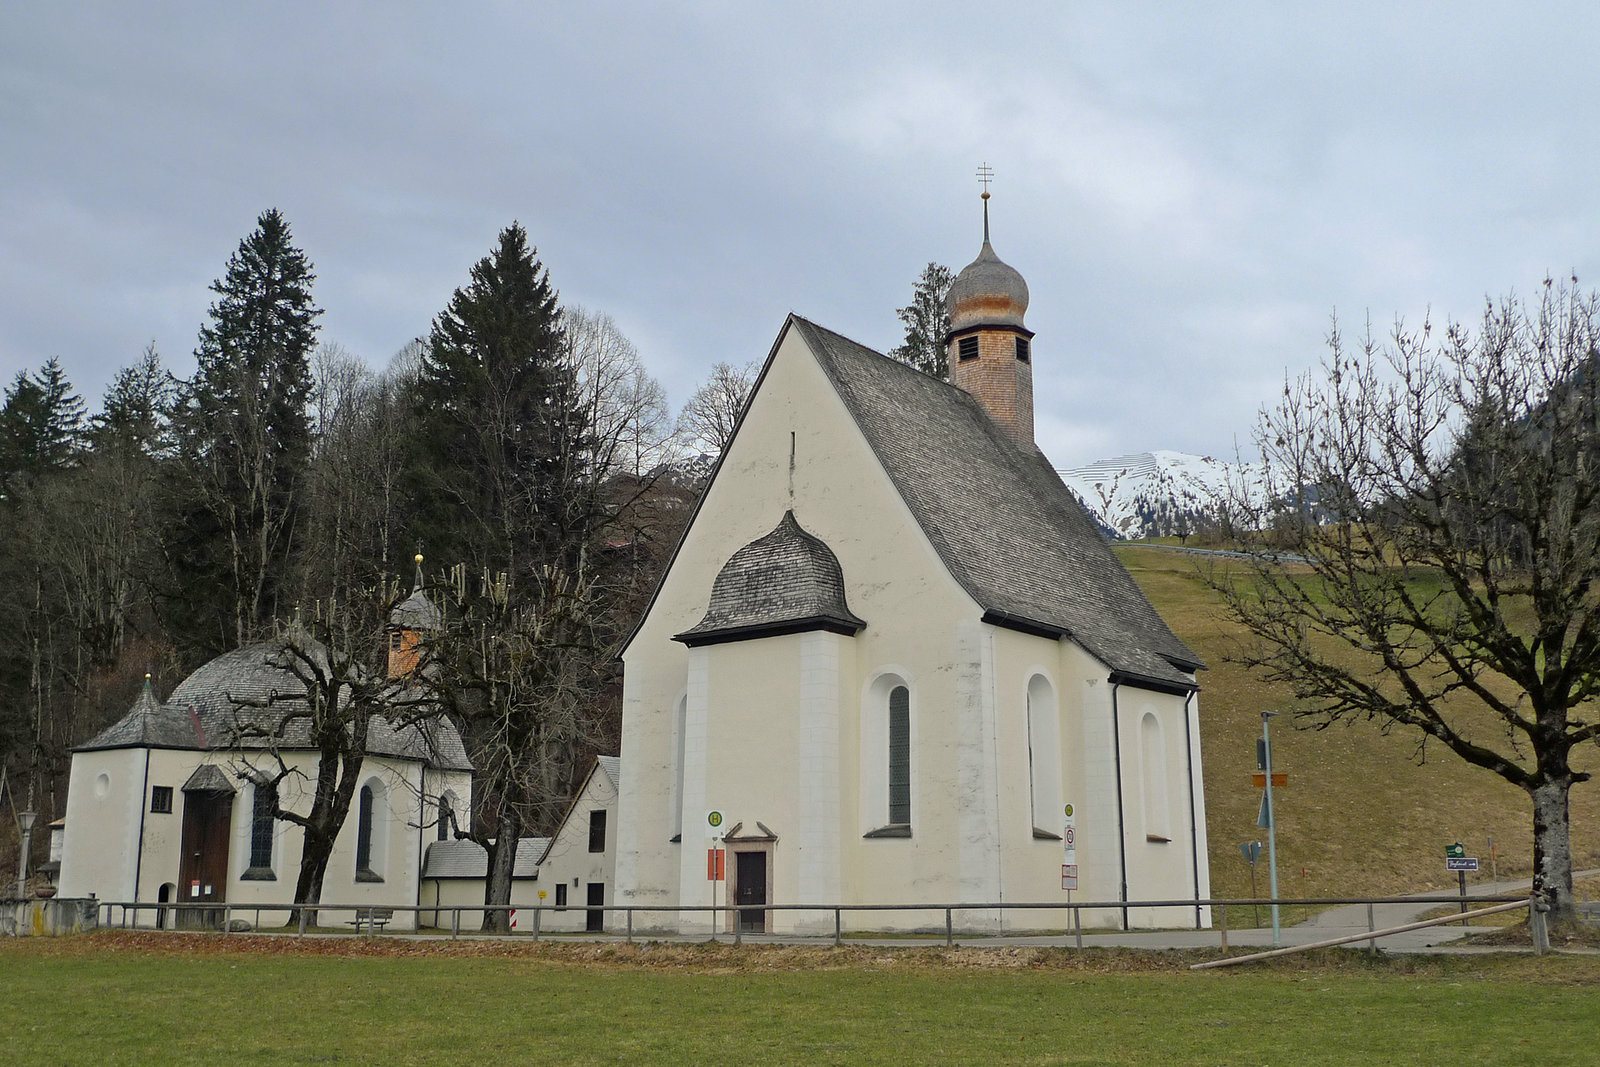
<point>783,730</point>
<point>102,843</point>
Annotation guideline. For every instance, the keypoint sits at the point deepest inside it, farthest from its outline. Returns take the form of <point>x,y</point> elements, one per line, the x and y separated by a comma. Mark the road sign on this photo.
<point>713,825</point>
<point>1252,851</point>
<point>1461,863</point>
<point>1264,817</point>
<point>1069,876</point>
<point>716,870</point>
<point>1455,851</point>
<point>1069,835</point>
<point>1279,780</point>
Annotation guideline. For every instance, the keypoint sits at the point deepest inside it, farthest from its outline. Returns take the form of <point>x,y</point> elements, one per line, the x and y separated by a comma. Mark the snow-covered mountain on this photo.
<point>1153,494</point>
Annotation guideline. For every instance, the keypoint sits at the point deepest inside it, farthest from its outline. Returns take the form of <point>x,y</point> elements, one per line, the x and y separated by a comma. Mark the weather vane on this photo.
<point>985,176</point>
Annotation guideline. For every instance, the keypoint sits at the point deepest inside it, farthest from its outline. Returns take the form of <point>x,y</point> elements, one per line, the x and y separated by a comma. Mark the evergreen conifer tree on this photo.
<point>243,438</point>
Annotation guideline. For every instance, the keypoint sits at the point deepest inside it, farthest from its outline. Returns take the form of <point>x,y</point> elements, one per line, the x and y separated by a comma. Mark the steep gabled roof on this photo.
<point>1000,518</point>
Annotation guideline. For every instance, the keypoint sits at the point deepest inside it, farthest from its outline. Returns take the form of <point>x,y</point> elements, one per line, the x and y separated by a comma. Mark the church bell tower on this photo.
<point>989,347</point>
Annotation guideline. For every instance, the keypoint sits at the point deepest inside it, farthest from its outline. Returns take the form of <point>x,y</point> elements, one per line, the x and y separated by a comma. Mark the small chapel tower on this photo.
<point>990,350</point>
<point>407,622</point>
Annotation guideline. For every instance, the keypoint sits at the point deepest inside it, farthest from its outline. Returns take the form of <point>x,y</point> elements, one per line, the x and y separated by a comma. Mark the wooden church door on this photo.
<point>750,887</point>
<point>203,870</point>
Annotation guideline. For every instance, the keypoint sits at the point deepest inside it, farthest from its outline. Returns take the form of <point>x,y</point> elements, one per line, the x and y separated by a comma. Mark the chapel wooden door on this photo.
<point>203,869</point>
<point>750,887</point>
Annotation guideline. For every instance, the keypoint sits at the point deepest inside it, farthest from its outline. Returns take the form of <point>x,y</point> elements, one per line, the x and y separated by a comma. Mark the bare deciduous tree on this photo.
<point>1449,581</point>
<point>708,419</point>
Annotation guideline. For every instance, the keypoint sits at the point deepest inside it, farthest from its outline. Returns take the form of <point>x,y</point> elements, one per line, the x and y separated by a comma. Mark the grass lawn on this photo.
<point>134,998</point>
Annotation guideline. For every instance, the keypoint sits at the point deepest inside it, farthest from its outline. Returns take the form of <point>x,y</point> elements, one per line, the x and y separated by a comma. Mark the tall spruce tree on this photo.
<point>499,450</point>
<point>243,440</point>
<point>502,481</point>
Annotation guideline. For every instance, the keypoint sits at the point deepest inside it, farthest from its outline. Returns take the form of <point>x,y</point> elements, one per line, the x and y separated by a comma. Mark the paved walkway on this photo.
<point>1335,922</point>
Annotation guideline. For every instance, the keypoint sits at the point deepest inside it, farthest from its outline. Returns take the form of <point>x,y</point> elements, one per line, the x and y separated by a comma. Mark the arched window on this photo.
<point>900,756</point>
<point>447,814</point>
<point>371,824</point>
<point>1153,760</point>
<point>1044,758</point>
<point>264,800</point>
<point>888,769</point>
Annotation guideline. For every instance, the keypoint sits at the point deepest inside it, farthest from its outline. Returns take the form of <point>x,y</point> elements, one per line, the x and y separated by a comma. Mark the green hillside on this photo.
<point>1361,814</point>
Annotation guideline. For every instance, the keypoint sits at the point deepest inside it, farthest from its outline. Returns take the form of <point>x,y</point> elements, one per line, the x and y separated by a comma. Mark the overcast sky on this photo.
<point>1190,191</point>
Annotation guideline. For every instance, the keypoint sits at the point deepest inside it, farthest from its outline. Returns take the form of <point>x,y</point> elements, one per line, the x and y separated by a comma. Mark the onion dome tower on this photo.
<point>407,622</point>
<point>989,347</point>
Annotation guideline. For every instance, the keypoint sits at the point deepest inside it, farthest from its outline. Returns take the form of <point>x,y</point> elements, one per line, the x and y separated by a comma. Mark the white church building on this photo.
<point>890,650</point>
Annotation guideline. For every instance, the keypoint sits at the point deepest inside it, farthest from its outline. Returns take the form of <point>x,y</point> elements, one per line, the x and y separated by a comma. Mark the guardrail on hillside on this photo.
<point>370,920</point>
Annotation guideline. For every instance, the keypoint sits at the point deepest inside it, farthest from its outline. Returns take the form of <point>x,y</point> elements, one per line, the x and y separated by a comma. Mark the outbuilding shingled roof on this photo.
<point>783,582</point>
<point>461,858</point>
<point>1000,518</point>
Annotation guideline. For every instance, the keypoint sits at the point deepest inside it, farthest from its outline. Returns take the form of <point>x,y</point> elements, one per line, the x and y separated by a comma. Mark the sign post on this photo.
<point>1271,820</point>
<point>714,862</point>
<point>1069,846</point>
<point>1456,859</point>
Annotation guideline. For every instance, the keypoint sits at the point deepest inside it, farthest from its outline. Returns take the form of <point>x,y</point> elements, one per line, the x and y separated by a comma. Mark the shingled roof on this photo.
<point>148,724</point>
<point>250,699</point>
<point>1000,518</point>
<point>784,582</point>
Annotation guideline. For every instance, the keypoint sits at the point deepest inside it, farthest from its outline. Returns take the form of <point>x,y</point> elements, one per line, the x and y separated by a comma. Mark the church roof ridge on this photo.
<point>1002,521</point>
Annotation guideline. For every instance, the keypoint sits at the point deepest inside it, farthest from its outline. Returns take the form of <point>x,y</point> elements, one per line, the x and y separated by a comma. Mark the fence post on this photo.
<point>949,928</point>
<point>1372,943</point>
<point>455,923</point>
<point>1224,911</point>
<point>630,925</point>
<point>538,913</point>
<point>838,929</point>
<point>1538,927</point>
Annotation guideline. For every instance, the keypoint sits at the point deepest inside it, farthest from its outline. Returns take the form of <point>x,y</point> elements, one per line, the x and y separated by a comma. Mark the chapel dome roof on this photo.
<point>785,582</point>
<point>251,698</point>
<point>988,291</point>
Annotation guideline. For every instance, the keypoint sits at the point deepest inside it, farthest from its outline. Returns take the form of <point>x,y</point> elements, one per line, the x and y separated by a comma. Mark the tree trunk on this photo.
<point>502,862</point>
<point>1552,846</point>
<point>313,866</point>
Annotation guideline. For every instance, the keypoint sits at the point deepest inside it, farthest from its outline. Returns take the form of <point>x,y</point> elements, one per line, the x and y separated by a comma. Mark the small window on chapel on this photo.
<point>1022,349</point>
<point>968,348</point>
<point>161,799</point>
<point>597,831</point>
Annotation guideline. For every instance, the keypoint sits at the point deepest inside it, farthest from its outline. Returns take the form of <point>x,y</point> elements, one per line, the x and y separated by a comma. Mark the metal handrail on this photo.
<point>720,914</point>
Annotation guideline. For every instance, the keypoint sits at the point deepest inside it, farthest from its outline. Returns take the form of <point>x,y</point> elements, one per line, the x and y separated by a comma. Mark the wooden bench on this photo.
<point>372,918</point>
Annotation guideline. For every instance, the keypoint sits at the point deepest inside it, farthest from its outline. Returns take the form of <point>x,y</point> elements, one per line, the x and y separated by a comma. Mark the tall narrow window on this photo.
<point>597,831</point>
<point>899,755</point>
<point>368,853</point>
<point>1044,758</point>
<point>1022,350</point>
<point>1157,825</point>
<point>446,815</point>
<point>265,799</point>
